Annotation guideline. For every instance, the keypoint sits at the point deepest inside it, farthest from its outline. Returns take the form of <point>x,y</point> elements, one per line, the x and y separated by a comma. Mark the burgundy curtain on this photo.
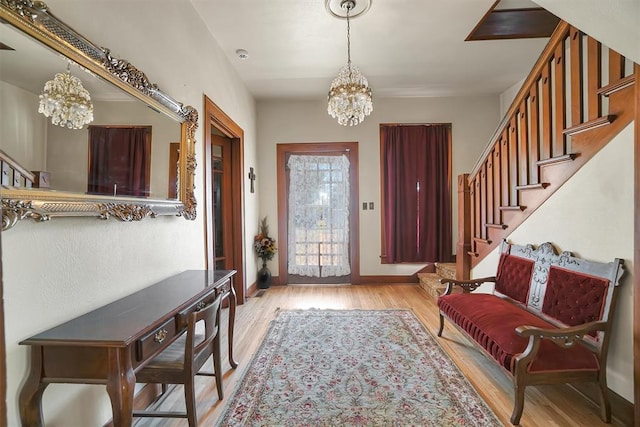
<point>119,158</point>
<point>417,193</point>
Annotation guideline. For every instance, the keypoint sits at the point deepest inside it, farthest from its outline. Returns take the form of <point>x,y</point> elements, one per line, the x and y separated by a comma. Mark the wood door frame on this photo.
<point>3,351</point>
<point>636,252</point>
<point>214,116</point>
<point>318,148</point>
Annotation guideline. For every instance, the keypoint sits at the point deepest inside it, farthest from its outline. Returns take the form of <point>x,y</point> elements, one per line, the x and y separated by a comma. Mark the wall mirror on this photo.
<point>47,169</point>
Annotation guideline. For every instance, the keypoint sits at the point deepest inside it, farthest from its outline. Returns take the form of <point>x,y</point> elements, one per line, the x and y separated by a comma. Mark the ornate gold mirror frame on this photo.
<point>35,20</point>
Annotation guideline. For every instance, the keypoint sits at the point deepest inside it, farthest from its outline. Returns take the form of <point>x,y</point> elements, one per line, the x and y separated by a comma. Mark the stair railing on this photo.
<point>13,174</point>
<point>562,115</point>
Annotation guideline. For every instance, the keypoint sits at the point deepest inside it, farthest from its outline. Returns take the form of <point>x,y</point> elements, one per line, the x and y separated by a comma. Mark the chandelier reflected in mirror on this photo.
<point>66,101</point>
<point>349,99</point>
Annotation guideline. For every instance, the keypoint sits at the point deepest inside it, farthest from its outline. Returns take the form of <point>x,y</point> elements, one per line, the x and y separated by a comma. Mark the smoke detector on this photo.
<point>242,54</point>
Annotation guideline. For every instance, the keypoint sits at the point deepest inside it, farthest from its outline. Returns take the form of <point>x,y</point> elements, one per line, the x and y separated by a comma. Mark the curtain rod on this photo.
<point>120,126</point>
<point>415,124</point>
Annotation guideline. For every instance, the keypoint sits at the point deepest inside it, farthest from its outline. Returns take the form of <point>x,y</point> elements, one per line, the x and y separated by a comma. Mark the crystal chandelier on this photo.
<point>66,101</point>
<point>350,94</point>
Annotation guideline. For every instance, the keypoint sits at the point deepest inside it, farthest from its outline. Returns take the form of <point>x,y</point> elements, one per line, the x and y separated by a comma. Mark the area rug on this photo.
<point>353,368</point>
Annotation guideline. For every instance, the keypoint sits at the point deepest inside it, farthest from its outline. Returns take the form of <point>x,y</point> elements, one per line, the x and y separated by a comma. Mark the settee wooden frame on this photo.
<point>593,335</point>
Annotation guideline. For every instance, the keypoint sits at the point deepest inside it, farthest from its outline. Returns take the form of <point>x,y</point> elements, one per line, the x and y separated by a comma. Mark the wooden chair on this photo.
<point>182,360</point>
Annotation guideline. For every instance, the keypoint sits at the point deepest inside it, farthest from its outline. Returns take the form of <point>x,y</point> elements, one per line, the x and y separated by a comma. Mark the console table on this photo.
<point>107,345</point>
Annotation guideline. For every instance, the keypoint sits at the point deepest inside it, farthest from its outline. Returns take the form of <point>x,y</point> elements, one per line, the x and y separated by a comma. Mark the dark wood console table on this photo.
<point>107,345</point>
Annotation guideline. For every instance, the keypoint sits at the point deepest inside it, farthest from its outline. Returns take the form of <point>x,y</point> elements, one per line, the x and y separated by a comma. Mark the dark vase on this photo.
<point>264,277</point>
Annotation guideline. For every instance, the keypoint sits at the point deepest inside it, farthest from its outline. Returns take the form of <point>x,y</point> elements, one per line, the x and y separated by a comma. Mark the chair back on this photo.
<point>198,347</point>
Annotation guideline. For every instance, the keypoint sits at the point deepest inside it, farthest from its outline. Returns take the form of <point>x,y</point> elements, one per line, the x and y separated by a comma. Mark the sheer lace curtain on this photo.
<point>318,215</point>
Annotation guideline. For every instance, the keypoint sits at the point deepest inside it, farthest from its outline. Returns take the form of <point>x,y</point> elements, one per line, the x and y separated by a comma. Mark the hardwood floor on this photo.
<point>545,406</point>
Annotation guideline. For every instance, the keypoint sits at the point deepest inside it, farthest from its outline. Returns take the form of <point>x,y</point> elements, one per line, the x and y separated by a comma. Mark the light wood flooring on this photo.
<point>545,406</point>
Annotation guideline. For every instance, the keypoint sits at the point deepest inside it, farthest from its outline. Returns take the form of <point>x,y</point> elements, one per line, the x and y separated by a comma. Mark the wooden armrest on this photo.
<point>562,337</point>
<point>466,285</point>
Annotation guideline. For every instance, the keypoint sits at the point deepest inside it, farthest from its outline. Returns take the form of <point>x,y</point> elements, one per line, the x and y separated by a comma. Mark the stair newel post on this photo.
<point>463,259</point>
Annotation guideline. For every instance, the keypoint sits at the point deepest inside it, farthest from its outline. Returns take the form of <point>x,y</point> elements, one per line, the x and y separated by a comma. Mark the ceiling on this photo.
<point>27,64</point>
<point>406,48</point>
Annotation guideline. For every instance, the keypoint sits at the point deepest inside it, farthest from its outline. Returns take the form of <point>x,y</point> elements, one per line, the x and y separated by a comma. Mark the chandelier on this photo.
<point>350,94</point>
<point>66,101</point>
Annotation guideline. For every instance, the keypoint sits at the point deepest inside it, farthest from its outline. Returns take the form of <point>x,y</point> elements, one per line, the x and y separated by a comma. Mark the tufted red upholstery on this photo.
<point>514,277</point>
<point>574,298</point>
<point>491,322</point>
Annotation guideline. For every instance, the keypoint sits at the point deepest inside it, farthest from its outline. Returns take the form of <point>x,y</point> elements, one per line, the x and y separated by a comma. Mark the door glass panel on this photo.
<point>217,214</point>
<point>216,155</point>
<point>318,216</point>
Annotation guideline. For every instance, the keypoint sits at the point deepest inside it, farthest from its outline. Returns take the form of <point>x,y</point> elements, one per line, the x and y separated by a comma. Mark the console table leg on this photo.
<point>232,320</point>
<point>30,399</point>
<point>120,386</point>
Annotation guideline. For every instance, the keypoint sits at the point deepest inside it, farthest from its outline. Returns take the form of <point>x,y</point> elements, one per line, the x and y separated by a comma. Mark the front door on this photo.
<point>317,211</point>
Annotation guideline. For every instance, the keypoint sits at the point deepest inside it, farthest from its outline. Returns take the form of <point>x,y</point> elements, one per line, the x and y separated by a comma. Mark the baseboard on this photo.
<point>387,280</point>
<point>621,409</point>
<point>364,280</point>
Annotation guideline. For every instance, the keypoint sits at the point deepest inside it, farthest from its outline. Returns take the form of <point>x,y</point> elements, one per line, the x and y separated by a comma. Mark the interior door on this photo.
<point>221,194</point>
<point>224,219</point>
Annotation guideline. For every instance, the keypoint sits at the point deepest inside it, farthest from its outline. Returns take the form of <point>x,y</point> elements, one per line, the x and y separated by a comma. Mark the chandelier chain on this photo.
<point>348,7</point>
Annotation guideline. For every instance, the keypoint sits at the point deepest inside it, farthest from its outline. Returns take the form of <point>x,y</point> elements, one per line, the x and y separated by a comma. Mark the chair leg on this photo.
<point>518,404</point>
<point>441,325</point>
<point>605,405</point>
<point>217,366</point>
<point>190,401</point>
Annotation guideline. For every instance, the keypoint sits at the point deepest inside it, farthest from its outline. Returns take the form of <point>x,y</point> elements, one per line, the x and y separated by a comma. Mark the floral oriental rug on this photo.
<point>353,368</point>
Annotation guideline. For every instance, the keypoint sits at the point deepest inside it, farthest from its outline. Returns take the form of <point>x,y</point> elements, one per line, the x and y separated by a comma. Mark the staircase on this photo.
<point>577,98</point>
<point>430,282</point>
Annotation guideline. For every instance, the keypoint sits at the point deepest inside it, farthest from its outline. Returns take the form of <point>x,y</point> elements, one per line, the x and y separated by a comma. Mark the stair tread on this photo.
<point>446,270</point>
<point>428,275</point>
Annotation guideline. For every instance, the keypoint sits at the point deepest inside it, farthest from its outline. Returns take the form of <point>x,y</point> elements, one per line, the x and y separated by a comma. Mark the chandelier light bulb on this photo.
<point>66,101</point>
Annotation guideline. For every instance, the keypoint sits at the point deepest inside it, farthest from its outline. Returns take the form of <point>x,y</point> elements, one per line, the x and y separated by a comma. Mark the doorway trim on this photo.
<point>283,227</point>
<point>214,116</point>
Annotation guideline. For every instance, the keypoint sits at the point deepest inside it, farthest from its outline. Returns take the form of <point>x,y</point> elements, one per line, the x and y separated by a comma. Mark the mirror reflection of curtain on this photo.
<point>318,215</point>
<point>119,160</point>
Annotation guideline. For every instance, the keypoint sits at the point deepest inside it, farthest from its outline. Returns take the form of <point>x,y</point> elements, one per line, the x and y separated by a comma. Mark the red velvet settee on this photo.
<point>547,321</point>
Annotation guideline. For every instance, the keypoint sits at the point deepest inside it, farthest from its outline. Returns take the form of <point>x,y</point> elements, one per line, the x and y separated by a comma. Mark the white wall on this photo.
<point>22,129</point>
<point>58,270</point>
<point>614,23</point>
<point>507,97</point>
<point>591,215</point>
<point>473,121</point>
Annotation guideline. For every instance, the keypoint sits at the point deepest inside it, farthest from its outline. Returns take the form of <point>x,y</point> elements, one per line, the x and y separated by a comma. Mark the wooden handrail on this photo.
<point>560,32</point>
<point>11,167</point>
<point>4,157</point>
